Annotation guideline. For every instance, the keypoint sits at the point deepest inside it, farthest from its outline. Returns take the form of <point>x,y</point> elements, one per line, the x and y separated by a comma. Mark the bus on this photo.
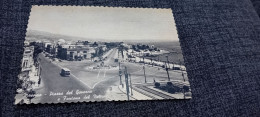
<point>65,72</point>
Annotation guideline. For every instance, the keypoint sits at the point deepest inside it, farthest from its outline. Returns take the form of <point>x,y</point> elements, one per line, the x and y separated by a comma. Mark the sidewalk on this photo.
<point>34,79</point>
<point>136,95</point>
<point>117,93</point>
<point>114,94</point>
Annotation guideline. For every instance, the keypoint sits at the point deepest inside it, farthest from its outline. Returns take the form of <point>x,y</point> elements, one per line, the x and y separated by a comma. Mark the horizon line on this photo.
<point>102,39</point>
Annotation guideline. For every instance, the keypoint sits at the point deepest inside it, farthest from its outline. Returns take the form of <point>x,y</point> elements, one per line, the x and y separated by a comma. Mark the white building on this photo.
<point>27,60</point>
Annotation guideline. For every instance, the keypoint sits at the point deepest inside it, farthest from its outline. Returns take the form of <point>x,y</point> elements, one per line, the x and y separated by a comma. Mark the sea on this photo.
<point>174,48</point>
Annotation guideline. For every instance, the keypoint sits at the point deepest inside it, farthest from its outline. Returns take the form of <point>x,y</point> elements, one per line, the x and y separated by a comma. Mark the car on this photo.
<point>65,72</point>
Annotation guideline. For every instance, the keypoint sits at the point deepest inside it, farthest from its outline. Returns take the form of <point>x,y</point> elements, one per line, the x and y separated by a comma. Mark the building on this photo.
<point>75,52</point>
<point>27,65</point>
<point>27,60</point>
<point>82,43</point>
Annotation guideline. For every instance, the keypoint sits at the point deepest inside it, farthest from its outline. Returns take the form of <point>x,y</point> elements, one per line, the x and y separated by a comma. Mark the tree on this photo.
<point>85,43</point>
<point>31,95</point>
<point>157,84</point>
<point>95,44</point>
<point>133,47</point>
<point>147,46</point>
<point>37,50</point>
<point>143,47</point>
<point>100,51</point>
<point>171,90</point>
<point>48,49</point>
<point>139,47</point>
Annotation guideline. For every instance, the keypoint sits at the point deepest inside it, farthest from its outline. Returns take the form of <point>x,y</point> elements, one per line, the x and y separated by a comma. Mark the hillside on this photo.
<point>34,35</point>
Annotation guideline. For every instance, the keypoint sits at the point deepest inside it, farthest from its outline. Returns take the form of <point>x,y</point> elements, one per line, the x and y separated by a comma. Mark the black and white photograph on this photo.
<point>87,54</point>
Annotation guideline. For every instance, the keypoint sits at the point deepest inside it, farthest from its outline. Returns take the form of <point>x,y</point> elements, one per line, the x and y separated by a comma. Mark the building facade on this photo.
<point>75,52</point>
<point>27,66</point>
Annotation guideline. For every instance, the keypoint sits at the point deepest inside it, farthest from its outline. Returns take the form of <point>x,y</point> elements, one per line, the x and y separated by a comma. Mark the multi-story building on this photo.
<point>27,60</point>
<point>27,65</point>
<point>75,52</point>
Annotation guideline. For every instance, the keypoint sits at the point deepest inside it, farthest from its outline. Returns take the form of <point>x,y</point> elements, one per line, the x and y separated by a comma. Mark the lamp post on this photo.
<point>168,61</point>
<point>131,84</point>
<point>143,59</point>
<point>126,83</point>
<point>167,69</point>
<point>120,75</point>
<point>144,75</point>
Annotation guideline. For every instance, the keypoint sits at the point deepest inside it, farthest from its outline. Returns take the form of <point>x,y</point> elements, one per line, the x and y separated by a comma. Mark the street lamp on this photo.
<point>143,59</point>
<point>131,84</point>
<point>126,83</point>
<point>168,61</point>
<point>167,69</point>
<point>120,75</point>
<point>144,75</point>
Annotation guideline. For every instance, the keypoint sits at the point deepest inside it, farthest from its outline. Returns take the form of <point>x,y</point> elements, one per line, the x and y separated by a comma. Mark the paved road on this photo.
<point>55,85</point>
<point>85,78</point>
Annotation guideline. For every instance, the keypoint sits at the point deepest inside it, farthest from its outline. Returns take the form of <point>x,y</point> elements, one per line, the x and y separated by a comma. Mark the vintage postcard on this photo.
<point>86,54</point>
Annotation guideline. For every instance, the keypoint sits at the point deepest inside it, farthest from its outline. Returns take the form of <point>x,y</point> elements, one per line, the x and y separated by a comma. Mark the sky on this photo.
<point>109,23</point>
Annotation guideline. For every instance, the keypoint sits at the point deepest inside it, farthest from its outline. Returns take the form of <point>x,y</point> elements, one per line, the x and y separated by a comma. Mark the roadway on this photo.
<point>54,85</point>
<point>84,77</point>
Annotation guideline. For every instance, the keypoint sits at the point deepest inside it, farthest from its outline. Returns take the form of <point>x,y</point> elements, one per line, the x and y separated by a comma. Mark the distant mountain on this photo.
<point>35,35</point>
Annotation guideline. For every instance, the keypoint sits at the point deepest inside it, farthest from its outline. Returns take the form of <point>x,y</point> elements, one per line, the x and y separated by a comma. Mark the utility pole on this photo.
<point>120,74</point>
<point>144,75</point>
<point>131,83</point>
<point>122,52</point>
<point>143,59</point>
<point>126,83</point>
<point>118,52</point>
<point>119,65</point>
<point>39,74</point>
<point>168,62</point>
<point>167,69</point>
<point>151,60</point>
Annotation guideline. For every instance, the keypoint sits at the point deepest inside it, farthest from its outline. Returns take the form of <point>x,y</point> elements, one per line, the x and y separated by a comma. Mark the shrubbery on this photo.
<point>171,90</point>
<point>169,84</point>
<point>157,84</point>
